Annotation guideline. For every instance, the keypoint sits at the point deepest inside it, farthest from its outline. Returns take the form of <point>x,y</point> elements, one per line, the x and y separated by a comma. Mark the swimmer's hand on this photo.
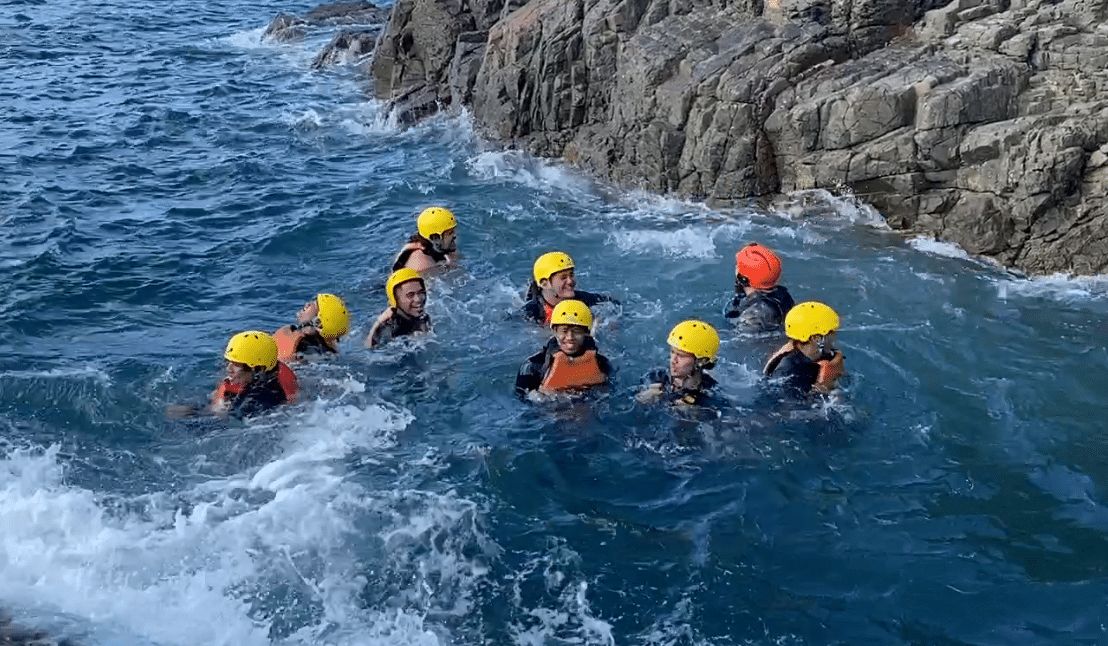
<point>182,411</point>
<point>649,394</point>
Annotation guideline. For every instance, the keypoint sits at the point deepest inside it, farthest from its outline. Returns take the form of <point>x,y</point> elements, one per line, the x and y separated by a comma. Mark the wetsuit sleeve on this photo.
<point>530,374</point>
<point>798,373</point>
<point>257,399</point>
<point>736,307</point>
<point>532,311</point>
<point>382,330</point>
<point>760,315</point>
<point>784,298</point>
<point>590,299</point>
<point>604,365</point>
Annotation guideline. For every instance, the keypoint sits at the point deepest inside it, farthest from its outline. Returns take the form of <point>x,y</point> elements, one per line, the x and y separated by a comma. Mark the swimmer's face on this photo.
<point>681,364</point>
<point>411,298</point>
<point>448,241</point>
<point>561,285</point>
<point>307,313</point>
<point>571,338</point>
<point>238,373</point>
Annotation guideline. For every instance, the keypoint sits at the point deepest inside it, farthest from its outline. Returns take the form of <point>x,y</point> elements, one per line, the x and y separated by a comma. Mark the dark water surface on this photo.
<point>167,180</point>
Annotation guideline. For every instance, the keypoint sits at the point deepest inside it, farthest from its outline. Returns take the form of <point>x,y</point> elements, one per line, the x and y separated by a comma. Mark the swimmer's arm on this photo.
<point>420,261</point>
<point>376,334</point>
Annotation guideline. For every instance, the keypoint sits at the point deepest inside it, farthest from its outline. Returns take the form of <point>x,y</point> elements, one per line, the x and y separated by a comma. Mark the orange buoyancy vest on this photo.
<point>287,339</point>
<point>285,376</point>
<point>548,311</point>
<point>570,373</point>
<point>829,369</point>
<point>776,358</point>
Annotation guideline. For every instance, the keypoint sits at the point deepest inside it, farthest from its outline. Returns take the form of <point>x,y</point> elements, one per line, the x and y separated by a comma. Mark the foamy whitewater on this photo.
<point>171,179</point>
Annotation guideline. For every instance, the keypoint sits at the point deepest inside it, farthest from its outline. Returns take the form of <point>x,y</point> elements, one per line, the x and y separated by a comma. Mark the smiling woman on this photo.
<point>405,315</point>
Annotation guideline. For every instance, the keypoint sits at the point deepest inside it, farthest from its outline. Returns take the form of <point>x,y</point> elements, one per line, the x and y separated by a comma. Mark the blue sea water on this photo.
<point>168,179</point>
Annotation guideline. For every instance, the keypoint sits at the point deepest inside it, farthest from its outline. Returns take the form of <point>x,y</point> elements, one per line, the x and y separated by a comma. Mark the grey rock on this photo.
<point>983,122</point>
<point>347,46</point>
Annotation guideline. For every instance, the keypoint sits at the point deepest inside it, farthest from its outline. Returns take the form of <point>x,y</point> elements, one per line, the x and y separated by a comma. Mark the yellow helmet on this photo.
<point>435,220</point>
<point>255,349</point>
<point>808,319</point>
<point>551,263</point>
<point>333,320</point>
<point>571,312</point>
<point>695,337</point>
<point>398,278</point>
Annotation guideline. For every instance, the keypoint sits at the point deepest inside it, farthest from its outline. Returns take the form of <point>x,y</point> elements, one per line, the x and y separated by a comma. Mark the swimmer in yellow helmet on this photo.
<point>570,361</point>
<point>319,326</point>
<point>405,314</point>
<point>693,347</point>
<point>808,362</point>
<point>255,380</point>
<point>434,243</point>
<point>554,281</point>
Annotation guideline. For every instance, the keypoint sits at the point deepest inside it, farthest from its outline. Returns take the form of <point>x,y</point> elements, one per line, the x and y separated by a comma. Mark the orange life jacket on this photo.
<point>570,373</point>
<point>285,376</point>
<point>548,311</point>
<point>287,339</point>
<point>829,369</point>
<point>776,357</point>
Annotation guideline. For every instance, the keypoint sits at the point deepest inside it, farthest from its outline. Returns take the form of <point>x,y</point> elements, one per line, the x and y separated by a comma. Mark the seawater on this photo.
<point>168,179</point>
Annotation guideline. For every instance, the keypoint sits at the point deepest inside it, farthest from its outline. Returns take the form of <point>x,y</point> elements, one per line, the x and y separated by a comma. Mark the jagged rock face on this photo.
<point>287,27</point>
<point>347,46</point>
<point>984,122</point>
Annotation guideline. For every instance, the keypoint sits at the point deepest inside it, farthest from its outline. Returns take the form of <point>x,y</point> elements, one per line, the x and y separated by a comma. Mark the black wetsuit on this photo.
<point>312,343</point>
<point>702,396</point>
<point>796,372</point>
<point>533,309</point>
<point>397,325</point>
<point>262,394</point>
<point>762,310</point>
<point>428,248</point>
<point>533,371</point>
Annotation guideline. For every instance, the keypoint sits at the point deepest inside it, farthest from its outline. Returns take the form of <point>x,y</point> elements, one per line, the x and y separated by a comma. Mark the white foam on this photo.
<point>518,168</point>
<point>191,567</point>
<point>846,207</point>
<point>937,247</point>
<point>690,242</point>
<point>1062,287</point>
<point>308,117</point>
<point>248,39</point>
<point>86,372</point>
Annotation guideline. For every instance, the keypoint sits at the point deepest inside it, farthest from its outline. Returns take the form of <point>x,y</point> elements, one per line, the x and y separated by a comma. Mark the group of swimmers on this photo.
<point>258,377</point>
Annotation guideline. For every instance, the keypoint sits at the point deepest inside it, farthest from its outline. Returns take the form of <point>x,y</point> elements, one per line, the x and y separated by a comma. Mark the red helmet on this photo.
<point>758,265</point>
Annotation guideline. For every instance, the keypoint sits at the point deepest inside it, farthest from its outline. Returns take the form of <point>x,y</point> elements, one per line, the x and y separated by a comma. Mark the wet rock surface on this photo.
<point>982,122</point>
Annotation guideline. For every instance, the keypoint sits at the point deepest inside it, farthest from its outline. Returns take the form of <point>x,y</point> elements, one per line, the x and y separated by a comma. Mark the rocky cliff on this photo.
<point>982,122</point>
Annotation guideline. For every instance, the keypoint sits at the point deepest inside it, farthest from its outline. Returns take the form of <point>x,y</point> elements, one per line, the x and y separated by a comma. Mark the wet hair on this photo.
<point>533,291</point>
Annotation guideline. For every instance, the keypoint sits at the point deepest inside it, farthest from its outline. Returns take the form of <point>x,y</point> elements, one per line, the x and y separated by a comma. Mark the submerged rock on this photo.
<point>287,27</point>
<point>11,635</point>
<point>982,122</point>
<point>346,47</point>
